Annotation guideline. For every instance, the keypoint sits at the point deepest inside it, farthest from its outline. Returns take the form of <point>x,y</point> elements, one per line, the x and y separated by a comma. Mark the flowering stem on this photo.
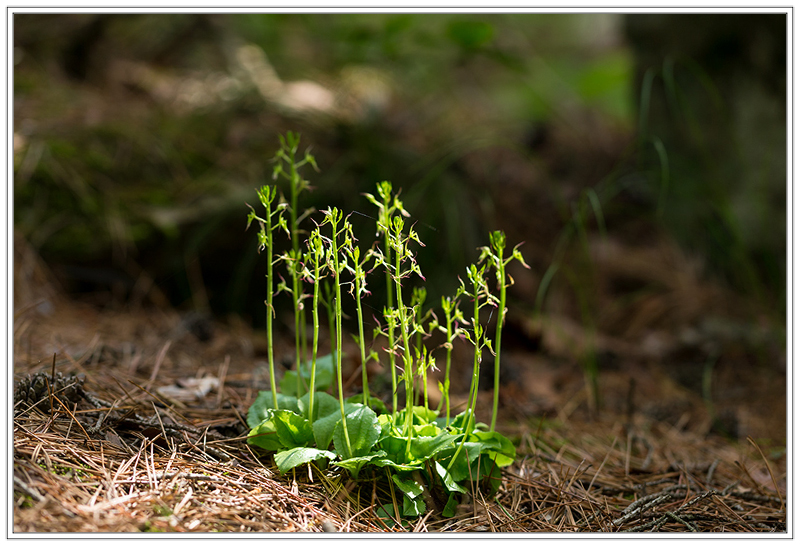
<point>334,216</point>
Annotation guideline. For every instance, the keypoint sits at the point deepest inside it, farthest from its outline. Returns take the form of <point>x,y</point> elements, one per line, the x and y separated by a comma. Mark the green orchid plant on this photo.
<point>432,460</point>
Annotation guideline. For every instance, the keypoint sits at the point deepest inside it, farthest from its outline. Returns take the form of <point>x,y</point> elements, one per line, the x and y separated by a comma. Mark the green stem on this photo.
<point>477,340</point>
<point>328,302</point>
<point>390,331</point>
<point>407,360</point>
<point>446,393</point>
<point>315,342</point>
<point>270,310</point>
<point>299,338</point>
<point>365,383</point>
<point>501,274</point>
<point>424,364</point>
<point>338,314</point>
<point>389,305</point>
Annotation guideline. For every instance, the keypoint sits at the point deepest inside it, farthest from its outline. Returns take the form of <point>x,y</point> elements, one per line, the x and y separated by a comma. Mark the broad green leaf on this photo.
<point>363,431</point>
<point>291,458</point>
<point>375,403</point>
<point>386,514</point>
<point>465,464</point>
<point>397,466</point>
<point>413,503</point>
<point>385,419</point>
<point>424,416</point>
<point>450,508</point>
<point>407,485</point>
<point>323,427</point>
<point>498,447</point>
<point>447,479</point>
<point>263,403</point>
<point>459,421</point>
<point>288,383</point>
<point>324,405</point>
<point>323,373</point>
<point>293,430</point>
<point>413,508</point>
<point>355,464</point>
<point>395,446</point>
<point>265,436</point>
<point>429,429</point>
<point>426,447</point>
<point>490,473</point>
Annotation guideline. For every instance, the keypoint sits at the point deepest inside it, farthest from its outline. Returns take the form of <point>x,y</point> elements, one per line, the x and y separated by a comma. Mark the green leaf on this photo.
<point>465,464</point>
<point>451,506</point>
<point>397,466</point>
<point>324,426</point>
<point>424,416</point>
<point>426,430</point>
<point>323,376</point>
<point>355,464</point>
<point>395,446</point>
<point>291,458</point>
<point>490,473</point>
<point>265,436</point>
<point>324,405</point>
<point>408,485</point>
<point>500,448</point>
<point>447,479</point>
<point>293,430</point>
<point>413,503</point>
<point>263,402</point>
<point>363,430</point>
<point>413,508</point>
<point>375,403</point>
<point>426,447</point>
<point>459,421</point>
<point>386,514</point>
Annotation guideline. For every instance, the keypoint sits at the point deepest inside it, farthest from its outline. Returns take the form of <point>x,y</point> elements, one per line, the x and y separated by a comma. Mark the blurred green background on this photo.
<point>139,138</point>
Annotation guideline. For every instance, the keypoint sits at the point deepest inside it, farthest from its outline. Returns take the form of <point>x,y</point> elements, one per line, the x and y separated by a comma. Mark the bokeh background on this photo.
<point>640,158</point>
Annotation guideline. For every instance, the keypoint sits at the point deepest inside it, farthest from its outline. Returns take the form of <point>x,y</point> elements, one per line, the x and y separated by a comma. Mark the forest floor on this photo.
<point>149,435</point>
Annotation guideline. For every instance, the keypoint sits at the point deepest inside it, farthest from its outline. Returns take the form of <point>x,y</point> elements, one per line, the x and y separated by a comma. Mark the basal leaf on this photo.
<point>450,508</point>
<point>397,466</point>
<point>395,447</point>
<point>324,427</point>
<point>293,430</point>
<point>355,464</point>
<point>413,501</point>
<point>413,508</point>
<point>490,473</point>
<point>426,447</point>
<point>429,429</point>
<point>288,383</point>
<point>324,405</point>
<point>323,374</point>
<point>500,448</point>
<point>363,430</point>
<point>263,403</point>
<point>465,464</point>
<point>408,485</point>
<point>424,416</point>
<point>386,514</point>
<point>291,458</point>
<point>375,403</point>
<point>447,479</point>
<point>265,436</point>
